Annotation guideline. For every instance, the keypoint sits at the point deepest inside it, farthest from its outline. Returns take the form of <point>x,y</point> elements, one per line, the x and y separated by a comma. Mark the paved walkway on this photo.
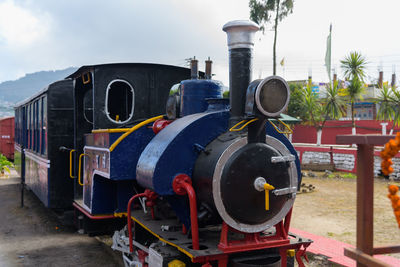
<point>335,249</point>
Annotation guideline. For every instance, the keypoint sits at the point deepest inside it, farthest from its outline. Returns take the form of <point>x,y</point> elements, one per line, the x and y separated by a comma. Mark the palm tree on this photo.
<point>386,110</point>
<point>320,110</point>
<point>334,104</point>
<point>353,92</point>
<point>353,66</point>
<point>395,99</point>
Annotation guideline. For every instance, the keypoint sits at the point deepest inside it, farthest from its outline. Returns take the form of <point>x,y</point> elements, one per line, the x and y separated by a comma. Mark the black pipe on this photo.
<point>240,35</point>
<point>240,71</point>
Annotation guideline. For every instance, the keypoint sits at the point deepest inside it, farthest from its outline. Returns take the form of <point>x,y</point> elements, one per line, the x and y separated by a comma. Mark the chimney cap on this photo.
<point>240,33</point>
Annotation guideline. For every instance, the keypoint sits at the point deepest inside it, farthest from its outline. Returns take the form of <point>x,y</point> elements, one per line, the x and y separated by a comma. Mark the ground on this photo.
<point>330,211</point>
<point>33,235</point>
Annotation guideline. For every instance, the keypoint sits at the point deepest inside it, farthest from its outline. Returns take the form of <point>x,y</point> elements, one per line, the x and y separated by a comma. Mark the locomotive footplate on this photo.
<point>170,232</point>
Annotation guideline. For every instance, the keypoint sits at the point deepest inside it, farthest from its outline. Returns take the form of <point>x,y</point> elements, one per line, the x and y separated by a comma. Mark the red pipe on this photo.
<point>130,219</point>
<point>193,214</point>
<point>287,221</point>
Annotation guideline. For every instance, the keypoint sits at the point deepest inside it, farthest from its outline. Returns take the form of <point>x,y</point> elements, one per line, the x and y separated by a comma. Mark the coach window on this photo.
<point>30,126</point>
<point>35,121</point>
<point>26,127</point>
<point>39,125</point>
<point>16,127</point>
<point>120,99</point>
<point>44,126</point>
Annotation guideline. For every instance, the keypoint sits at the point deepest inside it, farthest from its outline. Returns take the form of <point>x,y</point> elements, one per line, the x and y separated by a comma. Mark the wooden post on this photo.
<point>365,199</point>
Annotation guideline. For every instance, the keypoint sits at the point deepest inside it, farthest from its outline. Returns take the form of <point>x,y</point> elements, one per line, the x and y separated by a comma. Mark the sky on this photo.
<point>40,35</point>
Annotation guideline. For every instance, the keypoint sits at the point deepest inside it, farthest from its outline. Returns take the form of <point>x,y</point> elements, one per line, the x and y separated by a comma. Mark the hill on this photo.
<point>12,92</point>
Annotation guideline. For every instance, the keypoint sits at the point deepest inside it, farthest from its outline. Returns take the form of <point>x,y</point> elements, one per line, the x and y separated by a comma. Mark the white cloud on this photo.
<point>19,27</point>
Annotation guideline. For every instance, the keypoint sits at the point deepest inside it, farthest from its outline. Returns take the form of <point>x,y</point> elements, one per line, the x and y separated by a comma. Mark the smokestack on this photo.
<point>380,82</point>
<point>208,68</point>
<point>194,69</point>
<point>240,35</point>
<point>393,83</point>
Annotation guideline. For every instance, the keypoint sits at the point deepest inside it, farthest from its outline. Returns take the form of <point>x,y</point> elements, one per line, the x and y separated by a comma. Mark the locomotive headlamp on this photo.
<point>270,96</point>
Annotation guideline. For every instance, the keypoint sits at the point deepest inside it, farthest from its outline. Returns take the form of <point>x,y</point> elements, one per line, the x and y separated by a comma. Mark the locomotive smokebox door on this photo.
<point>251,185</point>
<point>241,195</point>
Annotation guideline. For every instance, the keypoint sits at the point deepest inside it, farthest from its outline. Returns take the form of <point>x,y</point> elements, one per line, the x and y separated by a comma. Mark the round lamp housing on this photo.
<point>269,97</point>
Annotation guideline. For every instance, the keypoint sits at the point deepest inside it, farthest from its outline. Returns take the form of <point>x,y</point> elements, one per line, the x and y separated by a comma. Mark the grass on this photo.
<point>345,175</point>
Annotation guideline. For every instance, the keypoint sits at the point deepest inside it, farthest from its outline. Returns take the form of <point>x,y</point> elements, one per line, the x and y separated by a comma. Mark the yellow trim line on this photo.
<point>163,240</point>
<point>116,130</point>
<point>134,128</point>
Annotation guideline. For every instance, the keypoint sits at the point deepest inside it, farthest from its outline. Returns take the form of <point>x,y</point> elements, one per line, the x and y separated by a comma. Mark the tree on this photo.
<point>353,92</point>
<point>320,110</point>
<point>386,109</point>
<point>264,12</point>
<point>296,107</point>
<point>334,104</point>
<point>395,99</point>
<point>353,66</point>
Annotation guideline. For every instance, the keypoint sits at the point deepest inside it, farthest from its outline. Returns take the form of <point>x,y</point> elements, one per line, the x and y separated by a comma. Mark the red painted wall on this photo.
<point>308,134</point>
<point>7,137</point>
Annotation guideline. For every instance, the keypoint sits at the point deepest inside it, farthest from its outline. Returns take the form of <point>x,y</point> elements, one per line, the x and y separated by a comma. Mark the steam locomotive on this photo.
<point>211,183</point>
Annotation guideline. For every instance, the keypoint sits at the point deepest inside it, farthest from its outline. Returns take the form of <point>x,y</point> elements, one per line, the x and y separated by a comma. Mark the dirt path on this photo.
<point>33,236</point>
<point>330,211</point>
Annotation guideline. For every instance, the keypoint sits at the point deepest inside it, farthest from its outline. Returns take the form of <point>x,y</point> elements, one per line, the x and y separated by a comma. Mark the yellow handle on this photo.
<point>234,129</point>
<point>289,131</point>
<point>79,168</point>
<point>267,188</point>
<point>134,128</point>
<point>87,80</point>
<point>70,163</point>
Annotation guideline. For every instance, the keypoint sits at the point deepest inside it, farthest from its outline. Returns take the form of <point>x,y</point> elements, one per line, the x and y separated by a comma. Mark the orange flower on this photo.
<point>385,164</point>
<point>393,189</point>
<point>392,144</point>
<point>390,170</point>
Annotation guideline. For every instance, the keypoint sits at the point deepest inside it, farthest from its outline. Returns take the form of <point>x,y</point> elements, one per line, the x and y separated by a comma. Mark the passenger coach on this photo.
<point>43,123</point>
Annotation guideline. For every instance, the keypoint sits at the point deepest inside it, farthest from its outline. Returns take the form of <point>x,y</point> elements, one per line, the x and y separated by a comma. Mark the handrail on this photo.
<point>289,131</point>
<point>79,168</point>
<point>86,81</point>
<point>70,164</point>
<point>134,128</point>
<point>234,129</point>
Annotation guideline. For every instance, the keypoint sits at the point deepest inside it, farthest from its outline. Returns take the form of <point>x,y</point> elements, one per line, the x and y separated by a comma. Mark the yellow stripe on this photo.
<point>117,130</point>
<point>120,214</point>
<point>163,240</point>
<point>134,128</point>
